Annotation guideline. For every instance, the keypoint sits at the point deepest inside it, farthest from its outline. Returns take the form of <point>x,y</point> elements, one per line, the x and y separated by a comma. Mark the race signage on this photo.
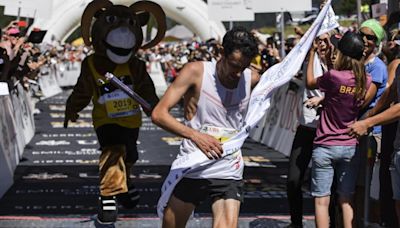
<point>28,8</point>
<point>270,6</point>
<point>230,10</point>
<point>379,10</point>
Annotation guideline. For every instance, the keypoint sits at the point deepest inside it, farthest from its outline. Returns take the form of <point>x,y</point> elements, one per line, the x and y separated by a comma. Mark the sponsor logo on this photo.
<point>87,142</point>
<point>45,176</point>
<point>172,141</point>
<point>77,124</point>
<point>83,151</point>
<point>62,115</point>
<point>62,108</point>
<point>257,161</point>
<point>52,143</point>
<point>68,161</point>
<point>69,135</point>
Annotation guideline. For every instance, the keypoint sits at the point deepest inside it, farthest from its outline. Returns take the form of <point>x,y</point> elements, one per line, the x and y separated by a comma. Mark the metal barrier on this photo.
<point>17,126</point>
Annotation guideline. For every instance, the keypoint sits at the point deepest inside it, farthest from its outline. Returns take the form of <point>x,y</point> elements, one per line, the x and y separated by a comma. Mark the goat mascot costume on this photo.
<point>116,36</point>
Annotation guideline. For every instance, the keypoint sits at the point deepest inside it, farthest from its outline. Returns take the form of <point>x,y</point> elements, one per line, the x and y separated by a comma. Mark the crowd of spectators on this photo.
<point>21,60</point>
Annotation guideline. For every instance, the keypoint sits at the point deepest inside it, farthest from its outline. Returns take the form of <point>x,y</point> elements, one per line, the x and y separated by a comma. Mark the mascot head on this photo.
<point>117,30</point>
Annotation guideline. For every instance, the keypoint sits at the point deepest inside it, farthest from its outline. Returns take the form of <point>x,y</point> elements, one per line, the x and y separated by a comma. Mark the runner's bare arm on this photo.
<point>190,78</point>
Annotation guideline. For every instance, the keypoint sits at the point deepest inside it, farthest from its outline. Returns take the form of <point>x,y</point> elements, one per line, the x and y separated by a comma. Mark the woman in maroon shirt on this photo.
<point>345,88</point>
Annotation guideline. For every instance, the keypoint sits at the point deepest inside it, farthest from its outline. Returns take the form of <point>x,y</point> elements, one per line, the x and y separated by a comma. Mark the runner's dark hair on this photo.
<point>240,39</point>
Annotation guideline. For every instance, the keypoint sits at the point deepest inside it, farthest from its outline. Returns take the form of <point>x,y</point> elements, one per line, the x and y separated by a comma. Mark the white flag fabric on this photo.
<point>272,79</point>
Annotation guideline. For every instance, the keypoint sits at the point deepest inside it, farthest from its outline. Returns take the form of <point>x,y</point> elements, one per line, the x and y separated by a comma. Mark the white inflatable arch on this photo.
<point>193,14</point>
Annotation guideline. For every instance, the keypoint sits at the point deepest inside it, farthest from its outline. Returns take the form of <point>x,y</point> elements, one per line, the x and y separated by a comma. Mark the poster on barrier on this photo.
<point>8,160</point>
<point>10,147</point>
<point>16,113</point>
<point>281,120</point>
<point>47,81</point>
<point>157,75</point>
<point>6,173</point>
<point>28,128</point>
<point>278,127</point>
<point>67,73</point>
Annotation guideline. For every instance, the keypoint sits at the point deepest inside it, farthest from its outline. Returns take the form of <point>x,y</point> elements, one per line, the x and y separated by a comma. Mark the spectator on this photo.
<point>392,114</point>
<point>373,34</point>
<point>345,89</point>
<point>387,212</point>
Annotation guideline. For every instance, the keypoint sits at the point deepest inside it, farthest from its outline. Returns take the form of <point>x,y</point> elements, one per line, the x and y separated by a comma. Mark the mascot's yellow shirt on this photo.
<point>111,105</point>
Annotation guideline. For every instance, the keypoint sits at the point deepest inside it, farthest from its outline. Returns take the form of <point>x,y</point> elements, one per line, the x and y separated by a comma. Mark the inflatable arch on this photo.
<point>190,13</point>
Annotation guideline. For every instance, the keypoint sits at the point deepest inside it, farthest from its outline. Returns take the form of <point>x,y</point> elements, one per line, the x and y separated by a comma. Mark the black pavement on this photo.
<point>56,183</point>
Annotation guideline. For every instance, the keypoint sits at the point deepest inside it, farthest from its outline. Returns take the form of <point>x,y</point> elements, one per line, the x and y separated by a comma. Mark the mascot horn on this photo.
<point>116,35</point>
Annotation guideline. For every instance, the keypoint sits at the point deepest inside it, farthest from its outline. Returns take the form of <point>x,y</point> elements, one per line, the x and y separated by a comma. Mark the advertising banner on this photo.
<point>67,73</point>
<point>157,75</point>
<point>278,127</point>
<point>47,82</point>
<point>28,8</point>
<point>271,6</point>
<point>230,10</point>
<point>10,147</point>
<point>16,114</point>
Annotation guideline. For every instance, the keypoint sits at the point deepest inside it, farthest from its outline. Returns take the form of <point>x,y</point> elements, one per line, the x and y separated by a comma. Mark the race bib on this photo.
<point>118,104</point>
<point>220,133</point>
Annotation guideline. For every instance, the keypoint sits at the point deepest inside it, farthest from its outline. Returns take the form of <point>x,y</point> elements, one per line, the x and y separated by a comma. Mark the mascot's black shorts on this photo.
<point>114,134</point>
<point>196,191</point>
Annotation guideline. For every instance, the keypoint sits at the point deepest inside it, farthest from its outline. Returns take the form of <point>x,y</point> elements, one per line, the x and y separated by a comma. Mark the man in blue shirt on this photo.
<point>373,34</point>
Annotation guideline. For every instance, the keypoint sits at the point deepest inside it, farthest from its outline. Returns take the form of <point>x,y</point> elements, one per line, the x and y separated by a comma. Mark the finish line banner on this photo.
<point>272,79</point>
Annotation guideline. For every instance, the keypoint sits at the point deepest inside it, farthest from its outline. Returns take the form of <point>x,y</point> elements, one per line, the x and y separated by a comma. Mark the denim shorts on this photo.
<point>329,160</point>
<point>395,174</point>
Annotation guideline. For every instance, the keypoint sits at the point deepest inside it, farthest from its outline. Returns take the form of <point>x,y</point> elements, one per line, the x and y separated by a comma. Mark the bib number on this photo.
<point>118,104</point>
<point>220,133</point>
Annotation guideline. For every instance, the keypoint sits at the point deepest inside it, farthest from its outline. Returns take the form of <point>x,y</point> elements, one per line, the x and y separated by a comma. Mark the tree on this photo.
<point>349,7</point>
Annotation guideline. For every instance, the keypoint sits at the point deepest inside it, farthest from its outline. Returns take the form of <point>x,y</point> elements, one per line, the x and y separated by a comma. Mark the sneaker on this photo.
<point>108,210</point>
<point>129,199</point>
<point>98,224</point>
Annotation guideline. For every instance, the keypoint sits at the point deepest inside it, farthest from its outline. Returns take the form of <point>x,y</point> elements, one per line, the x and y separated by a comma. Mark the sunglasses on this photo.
<point>369,37</point>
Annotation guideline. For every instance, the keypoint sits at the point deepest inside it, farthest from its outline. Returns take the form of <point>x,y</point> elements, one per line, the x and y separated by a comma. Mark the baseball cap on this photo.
<point>351,44</point>
<point>12,31</point>
<point>335,38</point>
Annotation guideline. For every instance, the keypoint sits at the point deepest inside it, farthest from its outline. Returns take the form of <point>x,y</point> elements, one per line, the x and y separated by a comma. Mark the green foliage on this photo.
<point>348,7</point>
<point>74,35</point>
<point>289,29</point>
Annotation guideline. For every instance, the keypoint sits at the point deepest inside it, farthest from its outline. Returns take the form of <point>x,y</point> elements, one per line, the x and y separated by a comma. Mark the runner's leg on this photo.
<point>177,213</point>
<point>225,213</point>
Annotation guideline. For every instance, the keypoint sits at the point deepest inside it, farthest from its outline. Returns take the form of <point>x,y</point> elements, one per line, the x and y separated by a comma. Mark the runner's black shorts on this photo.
<point>196,191</point>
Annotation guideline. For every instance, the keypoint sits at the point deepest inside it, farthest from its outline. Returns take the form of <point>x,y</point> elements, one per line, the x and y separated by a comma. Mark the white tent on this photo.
<point>179,32</point>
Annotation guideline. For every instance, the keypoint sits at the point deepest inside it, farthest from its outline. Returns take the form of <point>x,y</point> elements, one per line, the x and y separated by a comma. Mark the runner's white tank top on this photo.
<point>220,112</point>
